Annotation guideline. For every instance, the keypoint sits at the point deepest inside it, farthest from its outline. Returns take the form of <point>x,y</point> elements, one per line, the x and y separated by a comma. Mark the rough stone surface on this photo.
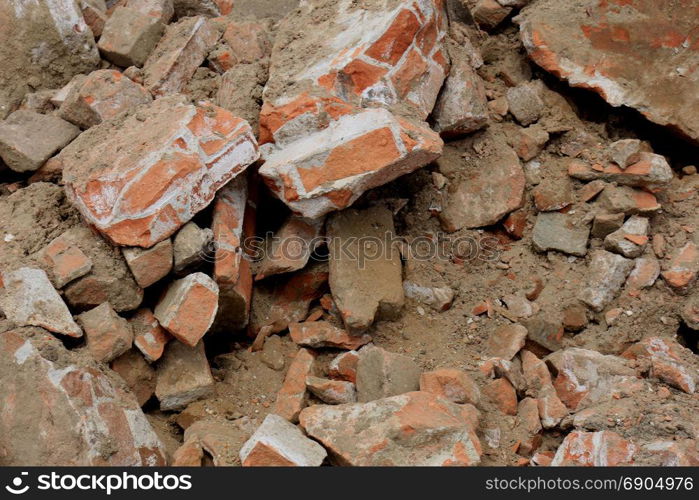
<point>557,231</point>
<point>630,240</point>
<point>506,341</point>
<point>137,374</point>
<point>279,443</point>
<point>129,37</point>
<point>381,374</point>
<point>640,54</point>
<point>188,152</point>
<point>28,139</point>
<point>416,429</point>
<point>43,45</point>
<point>183,376</point>
<point>489,187</point>
<point>100,96</point>
<point>188,308</point>
<point>606,275</point>
<point>668,363</point>
<point>179,53</point>
<point>84,417</point>
<point>27,298</point>
<point>462,106</point>
<point>191,246</point>
<point>365,267</point>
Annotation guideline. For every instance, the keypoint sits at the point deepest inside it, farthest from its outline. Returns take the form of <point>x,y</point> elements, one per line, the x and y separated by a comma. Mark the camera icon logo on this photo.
<point>16,488</point>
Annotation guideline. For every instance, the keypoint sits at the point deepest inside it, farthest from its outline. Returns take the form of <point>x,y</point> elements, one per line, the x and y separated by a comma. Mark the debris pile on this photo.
<point>377,232</point>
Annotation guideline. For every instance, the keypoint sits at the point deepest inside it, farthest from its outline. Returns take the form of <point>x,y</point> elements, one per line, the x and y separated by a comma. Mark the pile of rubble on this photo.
<point>375,232</point>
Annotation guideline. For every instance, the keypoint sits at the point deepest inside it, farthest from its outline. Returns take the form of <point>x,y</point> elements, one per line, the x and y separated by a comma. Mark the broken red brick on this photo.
<point>149,265</point>
<point>149,337</point>
<point>454,385</point>
<point>292,397</point>
<point>666,362</point>
<point>67,261</point>
<point>241,43</point>
<point>188,308</point>
<point>502,394</point>
<point>344,367</point>
<point>183,153</point>
<point>179,53</point>
<point>108,335</point>
<point>683,268</point>
<point>630,59</point>
<point>439,430</point>
<point>599,449</point>
<point>506,341</point>
<point>319,334</point>
<point>332,392</point>
<point>279,443</point>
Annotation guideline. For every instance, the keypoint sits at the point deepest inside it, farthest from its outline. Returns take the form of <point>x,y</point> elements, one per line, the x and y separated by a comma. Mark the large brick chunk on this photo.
<point>184,376</point>
<point>178,54</point>
<point>129,37</point>
<point>108,335</point>
<point>27,298</point>
<point>598,449</point>
<point>322,104</point>
<point>413,429</point>
<point>327,170</point>
<point>43,44</point>
<point>277,442</point>
<point>683,268</point>
<point>69,407</point>
<point>28,139</point>
<point>365,267</point>
<point>188,308</point>
<point>100,96</point>
<point>586,378</point>
<point>628,54</point>
<point>166,162</point>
